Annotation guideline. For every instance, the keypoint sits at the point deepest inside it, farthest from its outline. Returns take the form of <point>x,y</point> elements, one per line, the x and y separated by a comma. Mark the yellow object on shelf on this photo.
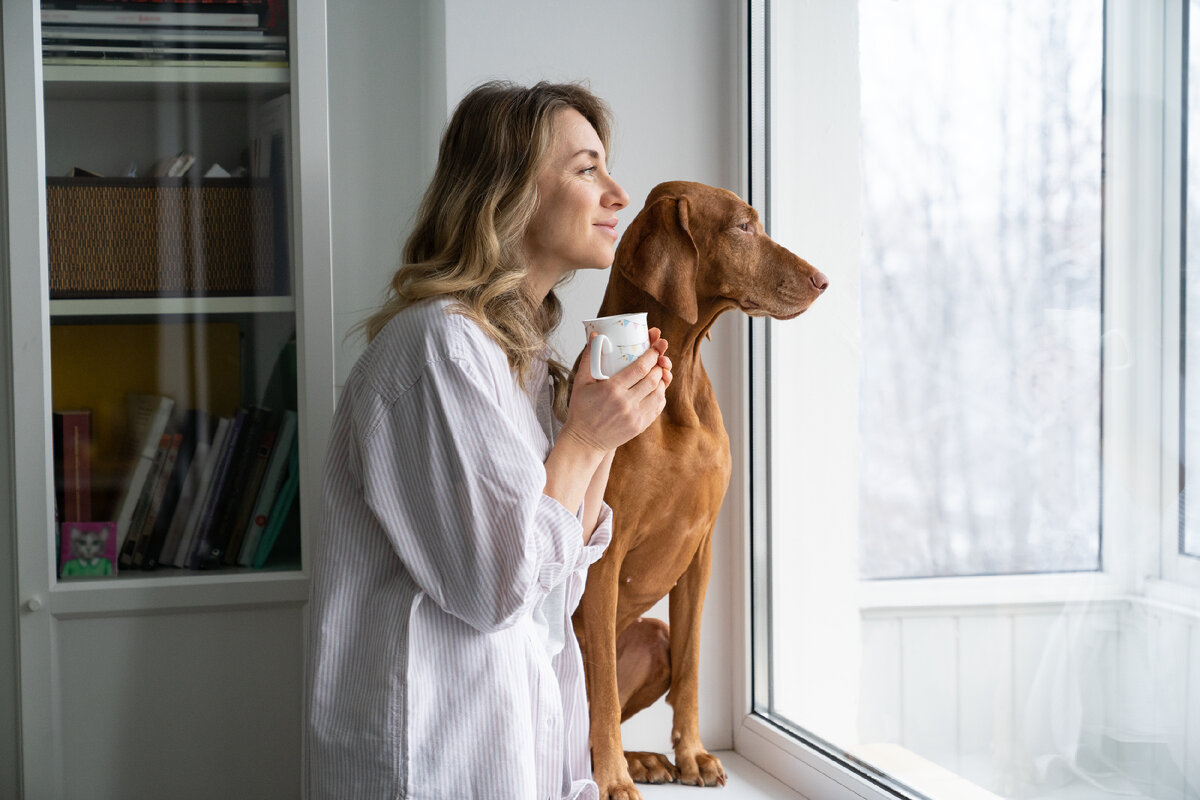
<point>198,364</point>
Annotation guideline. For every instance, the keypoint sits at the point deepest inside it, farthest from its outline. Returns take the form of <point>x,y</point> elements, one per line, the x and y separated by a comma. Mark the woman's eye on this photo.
<point>589,171</point>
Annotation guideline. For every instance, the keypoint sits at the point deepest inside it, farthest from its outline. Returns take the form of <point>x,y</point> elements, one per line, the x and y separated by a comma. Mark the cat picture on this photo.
<point>88,549</point>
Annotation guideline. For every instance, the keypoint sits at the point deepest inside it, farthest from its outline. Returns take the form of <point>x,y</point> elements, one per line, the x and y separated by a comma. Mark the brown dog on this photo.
<point>691,254</point>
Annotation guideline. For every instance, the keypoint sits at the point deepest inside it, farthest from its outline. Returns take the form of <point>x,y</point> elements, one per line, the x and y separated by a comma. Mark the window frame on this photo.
<point>1180,572</point>
<point>1140,387</point>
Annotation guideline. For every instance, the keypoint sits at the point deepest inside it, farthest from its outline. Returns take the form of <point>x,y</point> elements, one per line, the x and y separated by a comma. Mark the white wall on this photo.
<point>1001,694</point>
<point>386,107</point>
<point>669,69</point>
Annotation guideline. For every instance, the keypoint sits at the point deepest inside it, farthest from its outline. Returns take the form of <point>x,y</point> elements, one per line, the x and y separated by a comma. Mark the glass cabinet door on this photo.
<point>173,345</point>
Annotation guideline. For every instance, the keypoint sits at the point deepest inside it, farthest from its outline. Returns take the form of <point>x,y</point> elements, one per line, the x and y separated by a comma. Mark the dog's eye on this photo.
<point>745,226</point>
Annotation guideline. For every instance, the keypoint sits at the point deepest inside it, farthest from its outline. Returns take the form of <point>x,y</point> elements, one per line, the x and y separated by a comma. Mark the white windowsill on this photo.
<point>746,782</point>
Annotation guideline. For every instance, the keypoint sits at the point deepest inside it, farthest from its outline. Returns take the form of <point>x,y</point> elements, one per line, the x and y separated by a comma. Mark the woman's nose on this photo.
<point>616,196</point>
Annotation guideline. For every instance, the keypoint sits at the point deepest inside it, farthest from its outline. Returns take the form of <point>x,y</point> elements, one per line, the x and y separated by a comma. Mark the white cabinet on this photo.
<point>174,682</point>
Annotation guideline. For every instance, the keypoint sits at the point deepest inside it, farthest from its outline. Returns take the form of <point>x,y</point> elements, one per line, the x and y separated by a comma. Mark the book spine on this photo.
<point>52,16</point>
<point>148,416</point>
<point>235,484</point>
<point>259,460</point>
<point>216,451</point>
<point>218,494</point>
<point>130,543</point>
<point>183,508</point>
<point>272,481</point>
<point>72,451</point>
<point>194,429</point>
<point>165,474</point>
<point>280,511</point>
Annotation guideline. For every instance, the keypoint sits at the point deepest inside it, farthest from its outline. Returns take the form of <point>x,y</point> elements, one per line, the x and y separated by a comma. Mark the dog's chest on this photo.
<point>668,491</point>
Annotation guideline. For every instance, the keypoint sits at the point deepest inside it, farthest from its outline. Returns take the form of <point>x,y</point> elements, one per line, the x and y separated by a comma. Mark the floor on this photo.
<point>746,782</point>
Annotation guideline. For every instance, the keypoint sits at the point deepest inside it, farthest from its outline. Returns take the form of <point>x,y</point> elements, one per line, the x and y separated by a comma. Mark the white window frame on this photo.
<point>1180,573</point>
<point>1140,423</point>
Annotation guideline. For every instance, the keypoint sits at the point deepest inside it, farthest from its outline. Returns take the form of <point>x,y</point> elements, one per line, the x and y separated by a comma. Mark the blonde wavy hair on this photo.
<point>467,241</point>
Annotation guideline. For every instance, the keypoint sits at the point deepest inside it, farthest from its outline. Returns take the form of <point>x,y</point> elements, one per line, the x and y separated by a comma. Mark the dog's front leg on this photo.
<point>695,764</point>
<point>595,625</point>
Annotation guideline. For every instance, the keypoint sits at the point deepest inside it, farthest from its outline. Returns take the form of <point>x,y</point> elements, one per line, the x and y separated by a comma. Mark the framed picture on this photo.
<point>88,549</point>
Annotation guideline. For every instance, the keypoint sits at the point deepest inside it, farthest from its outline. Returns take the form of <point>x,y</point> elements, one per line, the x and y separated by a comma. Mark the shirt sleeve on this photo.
<point>592,552</point>
<point>459,492</point>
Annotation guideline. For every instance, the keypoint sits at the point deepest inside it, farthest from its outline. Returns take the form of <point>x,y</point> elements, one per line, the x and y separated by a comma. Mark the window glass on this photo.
<point>981,286</point>
<point>1190,539</point>
<point>937,414</point>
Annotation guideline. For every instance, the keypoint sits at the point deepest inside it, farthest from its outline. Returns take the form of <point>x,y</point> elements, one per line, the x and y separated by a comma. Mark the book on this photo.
<point>130,543</point>
<point>105,52</point>
<point>216,451</point>
<point>116,16</point>
<point>219,533</point>
<point>147,416</point>
<point>259,458</point>
<point>218,493</point>
<point>187,497</point>
<point>175,166</point>
<point>193,429</point>
<point>72,464</point>
<point>73,61</point>
<point>281,511</point>
<point>165,474</point>
<point>273,479</point>
<point>196,36</point>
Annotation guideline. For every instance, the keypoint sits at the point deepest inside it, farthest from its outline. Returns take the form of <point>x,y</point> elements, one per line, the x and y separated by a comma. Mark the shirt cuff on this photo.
<point>600,537</point>
<point>558,540</point>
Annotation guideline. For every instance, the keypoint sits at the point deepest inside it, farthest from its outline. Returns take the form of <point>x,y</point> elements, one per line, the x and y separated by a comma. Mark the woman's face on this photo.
<point>575,225</point>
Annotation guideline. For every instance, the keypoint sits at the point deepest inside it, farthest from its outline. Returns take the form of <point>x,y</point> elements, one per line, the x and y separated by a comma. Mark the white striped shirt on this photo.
<point>441,658</point>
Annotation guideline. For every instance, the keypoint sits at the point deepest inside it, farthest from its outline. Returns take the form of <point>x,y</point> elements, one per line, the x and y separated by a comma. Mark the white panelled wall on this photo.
<point>985,692</point>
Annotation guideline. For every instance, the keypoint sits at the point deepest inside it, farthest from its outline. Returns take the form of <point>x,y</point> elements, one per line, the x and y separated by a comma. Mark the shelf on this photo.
<point>160,306</point>
<point>148,80</point>
<point>168,590</point>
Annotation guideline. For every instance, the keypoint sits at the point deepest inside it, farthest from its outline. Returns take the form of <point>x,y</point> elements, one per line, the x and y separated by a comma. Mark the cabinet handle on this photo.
<point>33,604</point>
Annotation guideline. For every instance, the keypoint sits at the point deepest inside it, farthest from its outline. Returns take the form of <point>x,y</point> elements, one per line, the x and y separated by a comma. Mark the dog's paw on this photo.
<point>703,769</point>
<point>650,768</point>
<point>618,790</point>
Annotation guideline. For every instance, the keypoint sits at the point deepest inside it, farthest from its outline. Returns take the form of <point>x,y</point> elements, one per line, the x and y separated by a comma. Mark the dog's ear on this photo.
<point>663,257</point>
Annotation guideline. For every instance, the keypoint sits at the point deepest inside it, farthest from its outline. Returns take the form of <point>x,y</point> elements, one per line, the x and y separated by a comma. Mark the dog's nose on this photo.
<point>820,281</point>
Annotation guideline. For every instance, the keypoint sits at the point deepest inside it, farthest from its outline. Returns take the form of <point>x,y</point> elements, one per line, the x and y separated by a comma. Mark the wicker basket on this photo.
<point>135,237</point>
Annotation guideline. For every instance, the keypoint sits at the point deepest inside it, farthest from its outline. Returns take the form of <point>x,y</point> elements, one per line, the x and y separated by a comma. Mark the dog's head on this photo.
<point>694,245</point>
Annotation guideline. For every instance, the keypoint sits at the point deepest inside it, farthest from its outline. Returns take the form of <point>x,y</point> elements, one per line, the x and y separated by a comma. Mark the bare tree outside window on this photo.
<point>981,287</point>
<point>1190,538</point>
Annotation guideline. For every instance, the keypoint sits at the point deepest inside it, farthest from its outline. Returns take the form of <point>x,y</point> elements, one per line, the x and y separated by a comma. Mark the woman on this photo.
<point>463,494</point>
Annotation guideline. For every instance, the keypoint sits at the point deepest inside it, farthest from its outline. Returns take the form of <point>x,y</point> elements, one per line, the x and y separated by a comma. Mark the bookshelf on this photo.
<point>134,658</point>
<point>167,306</point>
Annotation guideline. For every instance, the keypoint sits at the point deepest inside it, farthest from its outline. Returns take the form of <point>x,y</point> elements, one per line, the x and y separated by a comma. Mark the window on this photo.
<point>973,567</point>
<point>981,131</point>
<point>1189,539</point>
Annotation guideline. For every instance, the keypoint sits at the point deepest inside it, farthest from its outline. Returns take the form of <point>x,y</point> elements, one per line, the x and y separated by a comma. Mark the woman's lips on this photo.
<point>608,227</point>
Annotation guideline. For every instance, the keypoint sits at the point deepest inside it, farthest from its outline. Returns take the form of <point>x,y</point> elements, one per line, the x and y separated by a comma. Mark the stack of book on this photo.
<point>206,491</point>
<point>193,32</point>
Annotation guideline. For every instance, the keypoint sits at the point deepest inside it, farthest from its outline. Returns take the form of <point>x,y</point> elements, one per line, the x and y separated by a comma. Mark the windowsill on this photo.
<point>746,782</point>
<point>984,591</point>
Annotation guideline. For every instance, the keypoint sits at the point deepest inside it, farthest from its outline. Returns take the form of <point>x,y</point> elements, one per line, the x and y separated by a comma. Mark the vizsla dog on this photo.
<point>691,254</point>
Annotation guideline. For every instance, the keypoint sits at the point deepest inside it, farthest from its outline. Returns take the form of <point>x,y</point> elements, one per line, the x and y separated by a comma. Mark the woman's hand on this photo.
<point>603,415</point>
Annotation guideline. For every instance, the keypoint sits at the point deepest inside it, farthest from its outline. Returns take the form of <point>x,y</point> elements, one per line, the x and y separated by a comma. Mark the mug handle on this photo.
<point>600,346</point>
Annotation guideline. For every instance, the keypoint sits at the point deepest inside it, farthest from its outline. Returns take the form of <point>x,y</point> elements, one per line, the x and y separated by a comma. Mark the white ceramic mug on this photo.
<point>620,340</point>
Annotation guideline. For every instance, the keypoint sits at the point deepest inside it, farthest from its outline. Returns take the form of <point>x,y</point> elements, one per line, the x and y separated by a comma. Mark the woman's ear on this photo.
<point>659,256</point>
